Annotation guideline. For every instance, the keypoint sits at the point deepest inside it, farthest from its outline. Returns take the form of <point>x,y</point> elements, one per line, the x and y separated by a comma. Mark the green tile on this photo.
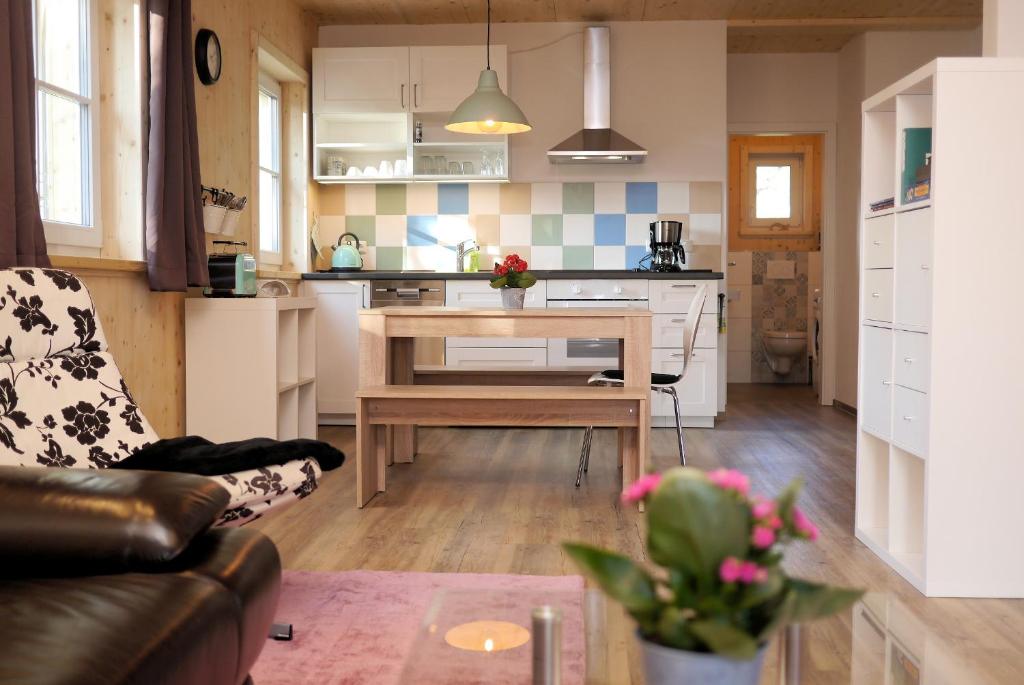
<point>578,198</point>
<point>577,257</point>
<point>547,229</point>
<point>391,198</point>
<point>365,228</point>
<point>390,258</point>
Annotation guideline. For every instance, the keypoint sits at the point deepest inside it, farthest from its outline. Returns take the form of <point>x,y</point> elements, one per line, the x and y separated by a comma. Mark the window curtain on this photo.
<point>22,241</point>
<point>175,239</point>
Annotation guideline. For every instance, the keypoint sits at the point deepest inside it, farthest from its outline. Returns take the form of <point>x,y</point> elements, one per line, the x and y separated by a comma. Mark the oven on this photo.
<point>592,353</point>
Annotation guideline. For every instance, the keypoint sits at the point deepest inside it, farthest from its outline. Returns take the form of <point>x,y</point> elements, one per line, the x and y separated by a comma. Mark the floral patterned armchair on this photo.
<point>63,402</point>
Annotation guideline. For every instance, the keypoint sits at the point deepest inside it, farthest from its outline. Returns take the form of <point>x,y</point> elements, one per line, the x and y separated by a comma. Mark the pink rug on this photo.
<point>357,627</point>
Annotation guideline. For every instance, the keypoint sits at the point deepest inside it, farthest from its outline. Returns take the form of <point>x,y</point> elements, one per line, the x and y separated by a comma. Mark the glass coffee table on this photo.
<point>484,636</point>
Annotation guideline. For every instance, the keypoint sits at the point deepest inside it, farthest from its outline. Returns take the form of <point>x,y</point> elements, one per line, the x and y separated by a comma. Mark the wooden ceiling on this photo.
<point>754,25</point>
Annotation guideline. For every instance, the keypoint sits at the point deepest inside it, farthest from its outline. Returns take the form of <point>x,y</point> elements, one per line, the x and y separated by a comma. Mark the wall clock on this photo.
<point>208,56</point>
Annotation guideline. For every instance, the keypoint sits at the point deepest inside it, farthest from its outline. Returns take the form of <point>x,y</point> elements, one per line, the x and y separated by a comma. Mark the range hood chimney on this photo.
<point>597,142</point>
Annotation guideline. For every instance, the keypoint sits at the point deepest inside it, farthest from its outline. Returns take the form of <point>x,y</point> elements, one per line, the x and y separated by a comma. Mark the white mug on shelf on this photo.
<point>401,168</point>
<point>369,171</point>
<point>353,171</point>
<point>386,169</point>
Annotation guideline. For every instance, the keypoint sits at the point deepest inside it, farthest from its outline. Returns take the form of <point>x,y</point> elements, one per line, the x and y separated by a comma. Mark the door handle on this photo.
<point>924,267</point>
<point>415,95</point>
<point>683,285</point>
<point>909,360</point>
<point>732,263</point>
<point>678,320</point>
<point>875,295</point>
<point>401,93</point>
<point>886,382</point>
<point>876,242</point>
<point>908,418</point>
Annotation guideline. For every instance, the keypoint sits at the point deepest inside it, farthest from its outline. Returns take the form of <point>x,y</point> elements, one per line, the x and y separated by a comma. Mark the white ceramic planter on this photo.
<point>513,298</point>
<point>667,666</point>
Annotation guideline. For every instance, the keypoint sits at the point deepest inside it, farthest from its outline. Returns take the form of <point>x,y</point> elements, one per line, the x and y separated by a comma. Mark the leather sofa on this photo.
<point>110,577</point>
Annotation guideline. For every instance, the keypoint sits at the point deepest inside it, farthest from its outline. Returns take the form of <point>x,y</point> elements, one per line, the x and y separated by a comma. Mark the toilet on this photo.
<point>782,348</point>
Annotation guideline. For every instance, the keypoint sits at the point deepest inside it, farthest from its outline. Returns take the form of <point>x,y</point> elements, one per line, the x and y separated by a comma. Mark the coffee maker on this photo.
<point>667,246</point>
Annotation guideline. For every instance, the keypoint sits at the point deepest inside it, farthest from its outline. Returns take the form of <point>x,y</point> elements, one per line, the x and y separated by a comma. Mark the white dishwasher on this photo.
<point>592,353</point>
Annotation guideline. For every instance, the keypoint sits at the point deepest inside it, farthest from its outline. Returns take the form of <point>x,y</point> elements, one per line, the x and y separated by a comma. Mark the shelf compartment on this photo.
<point>307,343</point>
<point>307,415</point>
<point>906,511</point>
<point>878,178</point>
<point>873,487</point>
<point>287,346</point>
<point>288,414</point>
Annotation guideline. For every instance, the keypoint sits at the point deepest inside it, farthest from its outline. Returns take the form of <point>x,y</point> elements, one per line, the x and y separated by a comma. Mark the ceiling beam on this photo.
<point>856,24</point>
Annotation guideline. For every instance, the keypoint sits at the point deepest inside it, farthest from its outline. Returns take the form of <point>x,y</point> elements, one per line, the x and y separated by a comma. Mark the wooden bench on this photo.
<point>470,405</point>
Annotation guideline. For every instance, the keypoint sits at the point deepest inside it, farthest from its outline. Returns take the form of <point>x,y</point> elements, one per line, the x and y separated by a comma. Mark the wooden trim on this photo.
<point>858,24</point>
<point>279,275</point>
<point>740,234</point>
<point>844,407</point>
<point>98,264</point>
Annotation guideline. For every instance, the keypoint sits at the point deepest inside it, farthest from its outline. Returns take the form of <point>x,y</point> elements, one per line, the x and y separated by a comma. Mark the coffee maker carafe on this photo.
<point>667,246</point>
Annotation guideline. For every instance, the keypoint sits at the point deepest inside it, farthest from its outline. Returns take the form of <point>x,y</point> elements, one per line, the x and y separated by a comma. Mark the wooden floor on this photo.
<point>501,501</point>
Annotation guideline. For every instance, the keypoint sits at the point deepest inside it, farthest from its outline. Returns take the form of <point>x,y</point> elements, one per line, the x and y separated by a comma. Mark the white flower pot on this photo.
<point>513,298</point>
<point>667,666</point>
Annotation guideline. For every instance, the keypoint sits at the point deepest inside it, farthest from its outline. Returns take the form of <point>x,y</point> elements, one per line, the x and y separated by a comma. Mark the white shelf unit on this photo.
<point>940,458</point>
<point>250,368</point>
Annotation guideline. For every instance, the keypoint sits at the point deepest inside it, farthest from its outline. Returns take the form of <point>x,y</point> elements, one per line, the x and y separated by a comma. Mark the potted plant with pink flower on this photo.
<point>718,591</point>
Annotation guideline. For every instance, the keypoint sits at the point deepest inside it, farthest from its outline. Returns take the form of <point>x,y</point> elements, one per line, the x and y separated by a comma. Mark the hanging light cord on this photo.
<point>488,35</point>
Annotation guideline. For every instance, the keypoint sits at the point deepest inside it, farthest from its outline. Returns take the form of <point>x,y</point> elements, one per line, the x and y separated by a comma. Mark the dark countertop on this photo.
<point>371,275</point>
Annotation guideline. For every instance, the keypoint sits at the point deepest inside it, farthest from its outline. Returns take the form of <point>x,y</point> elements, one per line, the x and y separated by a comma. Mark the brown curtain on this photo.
<point>22,241</point>
<point>175,240</point>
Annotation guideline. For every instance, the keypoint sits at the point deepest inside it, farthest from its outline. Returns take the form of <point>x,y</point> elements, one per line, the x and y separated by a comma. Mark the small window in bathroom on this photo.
<point>773,186</point>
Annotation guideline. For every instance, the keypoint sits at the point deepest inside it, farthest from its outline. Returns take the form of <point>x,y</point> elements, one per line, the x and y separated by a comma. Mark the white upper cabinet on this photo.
<point>443,76</point>
<point>349,80</point>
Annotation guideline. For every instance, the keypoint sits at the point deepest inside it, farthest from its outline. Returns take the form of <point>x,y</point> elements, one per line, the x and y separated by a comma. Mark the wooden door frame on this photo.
<point>828,237</point>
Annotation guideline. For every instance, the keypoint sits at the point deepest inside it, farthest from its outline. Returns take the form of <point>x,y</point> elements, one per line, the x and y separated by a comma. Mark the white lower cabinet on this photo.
<point>337,332</point>
<point>910,421</point>
<point>668,331</point>
<point>912,363</point>
<point>878,294</point>
<point>480,295</point>
<point>876,400</point>
<point>698,391</point>
<point>496,357</point>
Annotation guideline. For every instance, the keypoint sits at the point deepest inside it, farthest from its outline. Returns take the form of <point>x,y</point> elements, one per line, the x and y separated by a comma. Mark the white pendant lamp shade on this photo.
<point>488,110</point>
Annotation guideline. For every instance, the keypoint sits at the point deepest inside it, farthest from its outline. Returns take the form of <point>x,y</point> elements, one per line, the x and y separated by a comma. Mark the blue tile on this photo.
<point>634,253</point>
<point>453,198</point>
<point>641,198</point>
<point>609,229</point>
<point>421,230</point>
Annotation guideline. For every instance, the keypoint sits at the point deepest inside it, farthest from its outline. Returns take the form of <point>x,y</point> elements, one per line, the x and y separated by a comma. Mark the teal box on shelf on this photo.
<point>917,143</point>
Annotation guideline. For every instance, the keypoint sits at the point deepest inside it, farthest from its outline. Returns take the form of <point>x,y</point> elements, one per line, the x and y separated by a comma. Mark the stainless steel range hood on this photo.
<point>597,142</point>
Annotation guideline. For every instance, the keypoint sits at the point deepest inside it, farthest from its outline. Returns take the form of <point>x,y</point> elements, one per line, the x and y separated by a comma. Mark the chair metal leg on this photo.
<point>584,464</point>
<point>679,425</point>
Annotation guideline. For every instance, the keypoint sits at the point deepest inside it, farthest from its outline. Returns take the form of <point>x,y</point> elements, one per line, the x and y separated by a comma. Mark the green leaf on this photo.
<point>815,600</point>
<point>499,282</point>
<point>674,630</point>
<point>694,525</point>
<point>725,639</point>
<point>620,577</point>
<point>758,593</point>
<point>787,500</point>
<point>527,280</point>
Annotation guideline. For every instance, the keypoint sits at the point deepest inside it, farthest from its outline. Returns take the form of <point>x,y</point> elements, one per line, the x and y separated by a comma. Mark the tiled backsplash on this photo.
<point>551,225</point>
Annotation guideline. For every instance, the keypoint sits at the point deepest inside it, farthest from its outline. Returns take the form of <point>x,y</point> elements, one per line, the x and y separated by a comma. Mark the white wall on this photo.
<point>867,64</point>
<point>668,90</point>
<point>788,88</point>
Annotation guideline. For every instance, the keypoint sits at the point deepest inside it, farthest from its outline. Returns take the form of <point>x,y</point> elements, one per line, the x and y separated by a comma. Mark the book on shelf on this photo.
<point>919,191</point>
<point>879,205</point>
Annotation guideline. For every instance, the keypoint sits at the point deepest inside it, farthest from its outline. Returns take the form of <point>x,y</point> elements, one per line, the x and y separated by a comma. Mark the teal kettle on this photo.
<point>346,255</point>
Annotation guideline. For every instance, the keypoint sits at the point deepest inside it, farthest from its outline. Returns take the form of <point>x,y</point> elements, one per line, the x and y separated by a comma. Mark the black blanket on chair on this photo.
<point>192,454</point>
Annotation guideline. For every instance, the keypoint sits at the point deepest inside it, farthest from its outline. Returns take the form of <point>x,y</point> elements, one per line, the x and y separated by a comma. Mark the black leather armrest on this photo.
<point>72,521</point>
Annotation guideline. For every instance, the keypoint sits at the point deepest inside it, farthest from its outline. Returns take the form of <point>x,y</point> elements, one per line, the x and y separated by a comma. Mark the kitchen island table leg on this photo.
<point>370,456</point>
<point>402,373</point>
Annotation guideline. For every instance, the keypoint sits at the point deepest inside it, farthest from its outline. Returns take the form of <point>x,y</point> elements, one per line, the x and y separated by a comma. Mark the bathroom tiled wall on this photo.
<point>551,225</point>
<point>773,298</point>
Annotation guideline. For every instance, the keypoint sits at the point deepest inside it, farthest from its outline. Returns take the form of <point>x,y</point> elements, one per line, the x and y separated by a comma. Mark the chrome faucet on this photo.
<point>461,251</point>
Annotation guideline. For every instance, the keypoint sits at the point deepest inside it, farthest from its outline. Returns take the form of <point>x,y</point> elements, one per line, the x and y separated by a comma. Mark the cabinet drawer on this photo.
<point>480,295</point>
<point>913,268</point>
<point>668,331</point>
<point>674,297</point>
<point>878,242</point>
<point>698,391</point>
<point>876,381</point>
<point>495,357</point>
<point>912,363</point>
<point>878,294</point>
<point>739,268</point>
<point>598,289</point>
<point>910,422</point>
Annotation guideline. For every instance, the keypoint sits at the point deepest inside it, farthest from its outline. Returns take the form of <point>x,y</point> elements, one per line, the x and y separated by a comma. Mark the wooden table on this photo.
<point>387,334</point>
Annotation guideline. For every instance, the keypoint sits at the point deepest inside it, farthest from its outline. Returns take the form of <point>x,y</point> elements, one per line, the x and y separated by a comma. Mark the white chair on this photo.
<point>660,382</point>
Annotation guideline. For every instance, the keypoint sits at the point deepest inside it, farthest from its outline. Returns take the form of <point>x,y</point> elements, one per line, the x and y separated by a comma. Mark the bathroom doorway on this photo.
<point>779,198</point>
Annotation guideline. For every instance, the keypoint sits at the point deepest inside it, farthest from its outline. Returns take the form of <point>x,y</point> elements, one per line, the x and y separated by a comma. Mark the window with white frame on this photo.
<point>67,121</point>
<point>270,169</point>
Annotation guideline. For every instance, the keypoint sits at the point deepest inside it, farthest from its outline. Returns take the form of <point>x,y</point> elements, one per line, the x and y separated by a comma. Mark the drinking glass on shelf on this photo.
<point>486,169</point>
<point>427,165</point>
<point>440,165</point>
<point>499,163</point>
<point>454,168</point>
<point>467,169</point>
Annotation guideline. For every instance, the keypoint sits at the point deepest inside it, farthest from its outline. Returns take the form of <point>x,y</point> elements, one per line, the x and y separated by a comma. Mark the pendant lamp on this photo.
<point>488,110</point>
